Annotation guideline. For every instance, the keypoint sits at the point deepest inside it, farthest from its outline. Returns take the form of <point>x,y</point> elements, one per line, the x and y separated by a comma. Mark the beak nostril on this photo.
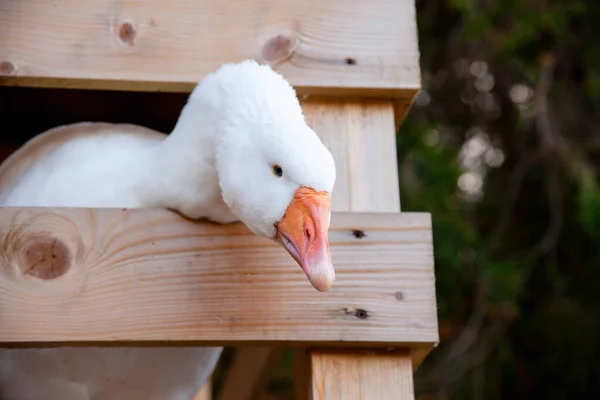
<point>309,232</point>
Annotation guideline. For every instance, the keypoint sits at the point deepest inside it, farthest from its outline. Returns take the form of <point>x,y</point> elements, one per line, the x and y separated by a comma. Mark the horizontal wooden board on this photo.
<point>323,47</point>
<point>150,275</point>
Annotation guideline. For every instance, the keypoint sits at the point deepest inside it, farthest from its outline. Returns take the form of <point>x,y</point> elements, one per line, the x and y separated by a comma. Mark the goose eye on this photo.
<point>277,171</point>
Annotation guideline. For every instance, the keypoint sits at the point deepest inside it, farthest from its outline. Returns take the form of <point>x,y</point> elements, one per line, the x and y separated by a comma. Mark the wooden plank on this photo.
<point>241,381</point>
<point>360,134</point>
<point>365,153</point>
<point>150,275</point>
<point>349,47</point>
<point>363,376</point>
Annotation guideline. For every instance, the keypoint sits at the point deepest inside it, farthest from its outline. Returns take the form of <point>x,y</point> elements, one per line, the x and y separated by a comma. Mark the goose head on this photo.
<point>274,172</point>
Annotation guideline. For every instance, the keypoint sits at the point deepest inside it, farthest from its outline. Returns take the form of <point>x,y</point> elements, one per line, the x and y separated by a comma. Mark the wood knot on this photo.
<point>399,296</point>
<point>356,312</point>
<point>357,233</point>
<point>7,68</point>
<point>278,48</point>
<point>126,33</point>
<point>45,257</point>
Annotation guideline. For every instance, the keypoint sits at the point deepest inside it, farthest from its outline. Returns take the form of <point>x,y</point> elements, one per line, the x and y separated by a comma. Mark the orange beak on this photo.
<point>303,233</point>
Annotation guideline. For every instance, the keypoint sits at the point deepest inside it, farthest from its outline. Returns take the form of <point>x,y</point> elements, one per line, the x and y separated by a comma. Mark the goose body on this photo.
<point>240,151</point>
<point>83,164</point>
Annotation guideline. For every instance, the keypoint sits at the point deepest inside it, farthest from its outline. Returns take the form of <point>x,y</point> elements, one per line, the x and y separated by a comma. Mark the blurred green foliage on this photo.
<point>503,148</point>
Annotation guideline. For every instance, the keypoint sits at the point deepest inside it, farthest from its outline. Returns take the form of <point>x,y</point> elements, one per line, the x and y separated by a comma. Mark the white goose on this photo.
<point>241,150</point>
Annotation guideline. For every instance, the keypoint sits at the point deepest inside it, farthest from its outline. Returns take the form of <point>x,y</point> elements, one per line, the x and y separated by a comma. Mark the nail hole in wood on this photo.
<point>350,61</point>
<point>357,233</point>
<point>356,312</point>
<point>399,296</point>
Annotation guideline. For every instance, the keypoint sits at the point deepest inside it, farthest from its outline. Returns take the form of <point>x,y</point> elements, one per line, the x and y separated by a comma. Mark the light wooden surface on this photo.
<point>361,376</point>
<point>151,275</point>
<point>361,136</point>
<point>347,46</point>
<point>365,150</point>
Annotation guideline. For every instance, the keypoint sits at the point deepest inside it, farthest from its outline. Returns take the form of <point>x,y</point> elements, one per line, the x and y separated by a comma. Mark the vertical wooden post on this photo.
<point>360,376</point>
<point>361,136</point>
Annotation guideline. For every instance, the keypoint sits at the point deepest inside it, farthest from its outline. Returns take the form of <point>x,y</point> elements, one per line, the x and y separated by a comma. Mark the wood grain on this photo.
<point>150,275</point>
<point>361,376</point>
<point>361,136</point>
<point>344,46</point>
<point>365,153</point>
